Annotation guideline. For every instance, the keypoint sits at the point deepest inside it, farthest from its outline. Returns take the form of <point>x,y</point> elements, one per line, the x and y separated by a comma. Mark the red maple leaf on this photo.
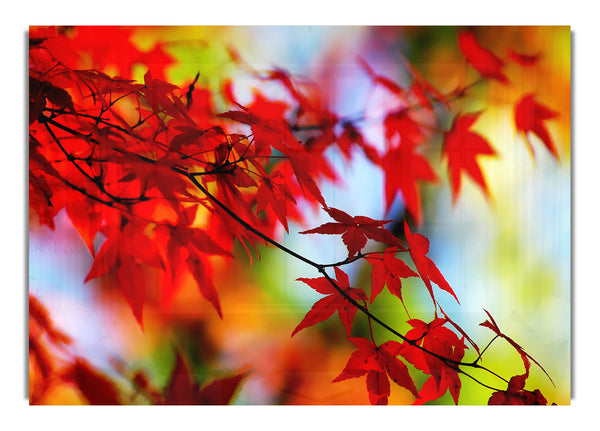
<point>400,123</point>
<point>403,166</point>
<point>379,363</point>
<point>482,59</point>
<point>355,230</point>
<point>184,242</point>
<point>182,388</point>
<point>387,269</point>
<point>274,192</point>
<point>516,394</point>
<point>123,252</point>
<point>435,338</point>
<point>461,147</point>
<point>530,117</point>
<point>324,308</point>
<point>419,247</point>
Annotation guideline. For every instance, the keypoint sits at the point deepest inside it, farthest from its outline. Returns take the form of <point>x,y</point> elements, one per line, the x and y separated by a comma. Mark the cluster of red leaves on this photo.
<point>171,184</point>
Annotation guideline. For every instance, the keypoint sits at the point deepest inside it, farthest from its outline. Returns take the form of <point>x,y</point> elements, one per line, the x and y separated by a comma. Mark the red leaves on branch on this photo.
<point>428,271</point>
<point>441,341</point>
<point>355,231</point>
<point>334,301</point>
<point>530,117</point>
<point>379,363</point>
<point>136,162</point>
<point>461,148</point>
<point>482,59</point>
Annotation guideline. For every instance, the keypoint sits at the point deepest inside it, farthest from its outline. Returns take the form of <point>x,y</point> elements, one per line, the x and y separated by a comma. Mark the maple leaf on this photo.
<point>400,123</point>
<point>529,117</point>
<point>379,363</point>
<point>435,338</point>
<point>354,230</point>
<point>388,270</point>
<point>403,167</point>
<point>324,308</point>
<point>461,147</point>
<point>182,388</point>
<point>482,59</point>
<point>124,250</point>
<point>274,192</point>
<point>516,394</point>
<point>429,272</point>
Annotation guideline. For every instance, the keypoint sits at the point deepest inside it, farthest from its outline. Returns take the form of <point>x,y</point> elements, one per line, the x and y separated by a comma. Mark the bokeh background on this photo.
<point>510,256</point>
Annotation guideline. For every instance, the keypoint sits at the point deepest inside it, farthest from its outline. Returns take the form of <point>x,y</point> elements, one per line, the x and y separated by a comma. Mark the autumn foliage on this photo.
<point>162,182</point>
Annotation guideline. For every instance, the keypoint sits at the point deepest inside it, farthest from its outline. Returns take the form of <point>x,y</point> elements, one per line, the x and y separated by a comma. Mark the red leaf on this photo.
<point>378,362</point>
<point>403,167</point>
<point>274,192</point>
<point>182,388</point>
<point>122,253</point>
<point>96,387</point>
<point>440,340</point>
<point>400,123</point>
<point>461,147</point>
<point>204,281</point>
<point>354,230</point>
<point>334,301</point>
<point>483,60</point>
<point>523,59</point>
<point>133,286</point>
<point>387,269</point>
<point>429,272</point>
<point>530,117</point>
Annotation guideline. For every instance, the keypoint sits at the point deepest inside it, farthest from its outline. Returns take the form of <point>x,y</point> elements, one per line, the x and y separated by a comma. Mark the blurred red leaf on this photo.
<point>403,167</point>
<point>461,148</point>
<point>183,389</point>
<point>482,59</point>
<point>530,117</point>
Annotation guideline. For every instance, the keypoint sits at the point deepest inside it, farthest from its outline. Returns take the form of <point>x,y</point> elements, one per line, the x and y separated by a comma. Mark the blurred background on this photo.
<point>510,255</point>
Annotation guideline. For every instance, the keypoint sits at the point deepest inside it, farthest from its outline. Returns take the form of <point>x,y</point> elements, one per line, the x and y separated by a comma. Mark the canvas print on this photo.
<point>299,215</point>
